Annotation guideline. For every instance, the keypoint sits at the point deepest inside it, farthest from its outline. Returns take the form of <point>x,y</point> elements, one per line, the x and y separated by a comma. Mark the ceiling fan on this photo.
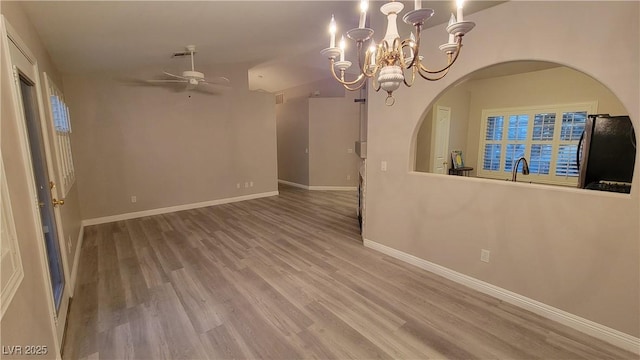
<point>191,78</point>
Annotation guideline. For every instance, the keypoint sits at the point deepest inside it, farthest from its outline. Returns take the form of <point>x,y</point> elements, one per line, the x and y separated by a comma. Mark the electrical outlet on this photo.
<point>383,165</point>
<point>134,199</point>
<point>484,255</point>
<point>238,186</point>
<point>250,183</point>
<point>349,151</point>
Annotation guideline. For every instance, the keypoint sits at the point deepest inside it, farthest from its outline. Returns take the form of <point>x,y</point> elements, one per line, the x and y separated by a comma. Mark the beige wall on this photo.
<point>574,250</point>
<point>334,124</point>
<point>27,320</point>
<point>168,147</point>
<point>325,88</point>
<point>293,140</point>
<point>424,143</point>
<point>457,99</point>
<point>315,133</point>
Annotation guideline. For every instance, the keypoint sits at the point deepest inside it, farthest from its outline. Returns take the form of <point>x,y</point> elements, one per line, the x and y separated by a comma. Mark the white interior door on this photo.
<point>440,151</point>
<point>29,106</point>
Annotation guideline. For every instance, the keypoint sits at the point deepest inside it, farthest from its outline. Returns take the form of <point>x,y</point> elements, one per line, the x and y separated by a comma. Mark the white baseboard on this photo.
<point>76,260</point>
<point>333,188</point>
<point>290,183</point>
<point>138,214</point>
<point>612,336</point>
<point>320,187</point>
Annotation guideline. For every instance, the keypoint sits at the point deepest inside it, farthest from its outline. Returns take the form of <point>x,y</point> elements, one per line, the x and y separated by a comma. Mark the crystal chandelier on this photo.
<point>387,61</point>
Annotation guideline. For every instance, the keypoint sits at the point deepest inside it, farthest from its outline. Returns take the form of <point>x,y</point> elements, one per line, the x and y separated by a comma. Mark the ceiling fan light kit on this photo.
<point>386,62</point>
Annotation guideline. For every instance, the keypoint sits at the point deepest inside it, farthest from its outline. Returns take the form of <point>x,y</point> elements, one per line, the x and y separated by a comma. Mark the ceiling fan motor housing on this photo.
<point>193,75</point>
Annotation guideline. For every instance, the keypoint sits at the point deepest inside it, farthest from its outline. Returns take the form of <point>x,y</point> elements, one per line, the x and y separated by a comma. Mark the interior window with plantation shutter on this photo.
<point>492,143</point>
<point>573,124</point>
<point>546,136</point>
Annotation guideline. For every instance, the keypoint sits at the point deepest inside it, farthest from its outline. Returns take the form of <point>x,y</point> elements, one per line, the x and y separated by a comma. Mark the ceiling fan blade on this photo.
<point>209,85</point>
<point>175,76</point>
<point>132,81</point>
<point>167,81</point>
<point>223,83</point>
<point>206,92</point>
<point>219,80</point>
<point>148,83</point>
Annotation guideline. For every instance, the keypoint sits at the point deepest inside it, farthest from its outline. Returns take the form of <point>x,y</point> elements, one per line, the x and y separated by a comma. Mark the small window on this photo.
<point>518,126</point>
<point>61,136</point>
<point>494,128</point>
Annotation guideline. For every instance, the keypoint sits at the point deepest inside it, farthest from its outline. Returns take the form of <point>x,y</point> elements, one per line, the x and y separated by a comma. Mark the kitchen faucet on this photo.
<point>525,168</point>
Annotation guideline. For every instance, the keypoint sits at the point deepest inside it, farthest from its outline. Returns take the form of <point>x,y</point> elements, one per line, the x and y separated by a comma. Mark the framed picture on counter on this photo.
<point>456,159</point>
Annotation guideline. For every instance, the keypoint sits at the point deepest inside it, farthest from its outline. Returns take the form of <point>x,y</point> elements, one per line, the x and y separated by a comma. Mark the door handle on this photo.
<point>55,201</point>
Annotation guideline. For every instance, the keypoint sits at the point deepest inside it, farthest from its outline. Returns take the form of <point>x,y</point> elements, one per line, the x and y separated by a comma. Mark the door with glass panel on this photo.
<point>25,76</point>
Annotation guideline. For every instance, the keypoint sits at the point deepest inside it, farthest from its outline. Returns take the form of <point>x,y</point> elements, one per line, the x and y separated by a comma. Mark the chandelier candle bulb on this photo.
<point>417,4</point>
<point>364,5</point>
<point>460,3</point>
<point>332,31</point>
<point>452,20</point>
<point>343,45</point>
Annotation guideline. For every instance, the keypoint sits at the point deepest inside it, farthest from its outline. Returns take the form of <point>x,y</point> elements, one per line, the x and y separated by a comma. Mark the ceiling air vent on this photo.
<point>279,98</point>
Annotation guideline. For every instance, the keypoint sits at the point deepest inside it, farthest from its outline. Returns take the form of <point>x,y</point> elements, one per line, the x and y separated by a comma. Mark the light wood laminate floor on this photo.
<point>286,277</point>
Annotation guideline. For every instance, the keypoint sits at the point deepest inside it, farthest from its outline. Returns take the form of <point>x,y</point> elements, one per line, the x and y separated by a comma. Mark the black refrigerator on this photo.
<point>607,153</point>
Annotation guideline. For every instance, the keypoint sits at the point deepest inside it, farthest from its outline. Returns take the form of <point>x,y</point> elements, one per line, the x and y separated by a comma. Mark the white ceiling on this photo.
<point>280,40</point>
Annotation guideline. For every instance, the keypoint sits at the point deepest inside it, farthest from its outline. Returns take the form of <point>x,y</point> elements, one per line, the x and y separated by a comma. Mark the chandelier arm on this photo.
<point>403,65</point>
<point>357,87</point>
<point>443,74</point>
<point>372,70</point>
<point>367,61</point>
<point>413,77</point>
<point>376,84</point>
<point>341,78</point>
<point>416,48</point>
<point>451,61</point>
<point>367,65</point>
<point>377,60</point>
<point>397,48</point>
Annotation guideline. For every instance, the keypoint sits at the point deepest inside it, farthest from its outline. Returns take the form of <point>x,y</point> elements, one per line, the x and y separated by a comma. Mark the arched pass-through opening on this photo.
<point>537,112</point>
